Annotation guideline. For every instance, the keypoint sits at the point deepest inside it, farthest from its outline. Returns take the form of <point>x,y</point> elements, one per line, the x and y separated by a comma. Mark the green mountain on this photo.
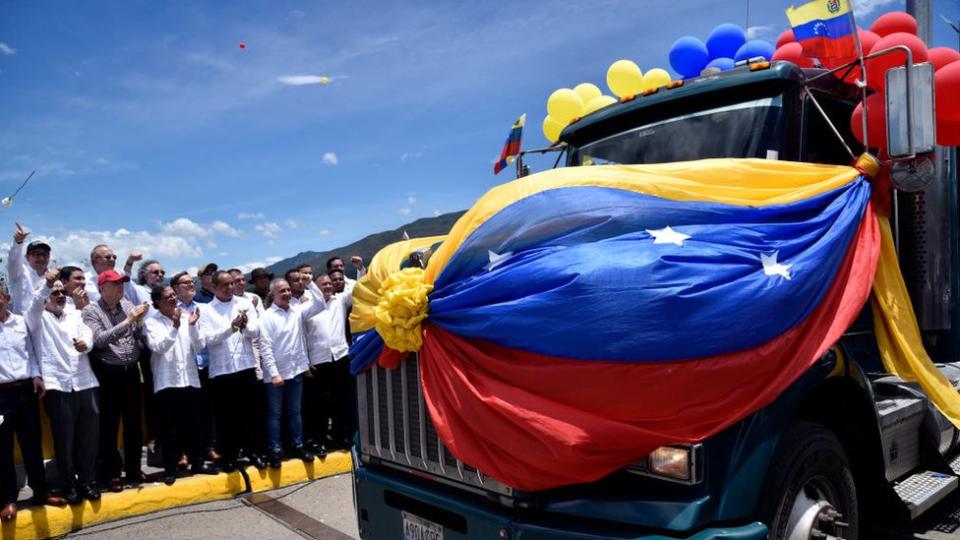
<point>368,246</point>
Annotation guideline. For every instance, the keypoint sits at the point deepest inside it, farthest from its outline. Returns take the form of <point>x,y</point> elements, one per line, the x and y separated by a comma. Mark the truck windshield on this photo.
<point>747,129</point>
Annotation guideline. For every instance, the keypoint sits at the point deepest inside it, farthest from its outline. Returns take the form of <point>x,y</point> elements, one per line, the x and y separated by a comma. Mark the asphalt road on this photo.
<point>321,509</point>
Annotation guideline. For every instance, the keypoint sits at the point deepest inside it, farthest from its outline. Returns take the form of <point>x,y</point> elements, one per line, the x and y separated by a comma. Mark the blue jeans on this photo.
<point>284,401</point>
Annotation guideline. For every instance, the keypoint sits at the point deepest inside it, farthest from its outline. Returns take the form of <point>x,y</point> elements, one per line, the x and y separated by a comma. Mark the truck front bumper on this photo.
<point>383,500</point>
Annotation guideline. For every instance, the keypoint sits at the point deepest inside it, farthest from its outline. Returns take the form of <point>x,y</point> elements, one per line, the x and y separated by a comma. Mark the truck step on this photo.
<point>900,419</point>
<point>924,489</point>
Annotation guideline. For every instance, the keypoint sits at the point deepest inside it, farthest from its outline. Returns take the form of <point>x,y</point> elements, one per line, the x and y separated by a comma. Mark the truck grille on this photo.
<point>395,428</point>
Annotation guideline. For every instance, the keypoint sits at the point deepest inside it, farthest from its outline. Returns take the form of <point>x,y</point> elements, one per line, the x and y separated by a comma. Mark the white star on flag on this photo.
<point>667,235</point>
<point>772,268</point>
<point>496,260</point>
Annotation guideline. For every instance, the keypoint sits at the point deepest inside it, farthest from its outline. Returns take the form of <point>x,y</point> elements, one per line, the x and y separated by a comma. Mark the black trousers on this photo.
<point>75,422</point>
<point>21,415</point>
<point>317,407</point>
<point>179,426</point>
<point>208,433</point>
<point>235,402</point>
<point>344,400</point>
<point>150,419</point>
<point>120,398</point>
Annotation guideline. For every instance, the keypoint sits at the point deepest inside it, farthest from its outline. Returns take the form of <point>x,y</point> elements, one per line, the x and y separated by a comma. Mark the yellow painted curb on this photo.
<point>295,471</point>
<point>37,522</point>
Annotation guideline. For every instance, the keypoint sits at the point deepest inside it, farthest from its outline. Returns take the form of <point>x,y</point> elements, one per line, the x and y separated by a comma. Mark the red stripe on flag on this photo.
<point>824,47</point>
<point>536,422</point>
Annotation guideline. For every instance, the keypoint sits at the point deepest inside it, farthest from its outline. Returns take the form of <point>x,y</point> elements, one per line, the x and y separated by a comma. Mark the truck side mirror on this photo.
<point>911,126</point>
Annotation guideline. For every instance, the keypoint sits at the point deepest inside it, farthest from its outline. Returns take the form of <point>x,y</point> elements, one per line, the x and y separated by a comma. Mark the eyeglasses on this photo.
<point>186,283</point>
<point>158,272</point>
<point>110,257</point>
<point>58,293</point>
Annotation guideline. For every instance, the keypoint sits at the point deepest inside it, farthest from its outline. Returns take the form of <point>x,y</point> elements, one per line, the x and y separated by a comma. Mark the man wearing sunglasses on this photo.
<point>102,259</point>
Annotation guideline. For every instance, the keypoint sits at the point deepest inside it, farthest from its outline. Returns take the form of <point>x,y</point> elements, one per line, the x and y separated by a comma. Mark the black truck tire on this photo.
<point>809,485</point>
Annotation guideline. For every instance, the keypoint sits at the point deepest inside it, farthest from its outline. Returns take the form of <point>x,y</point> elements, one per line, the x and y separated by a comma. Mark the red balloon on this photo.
<point>946,82</point>
<point>785,37</point>
<point>243,45</point>
<point>948,132</point>
<point>792,52</point>
<point>893,22</point>
<point>876,121</point>
<point>941,56</point>
<point>867,40</point>
<point>877,67</point>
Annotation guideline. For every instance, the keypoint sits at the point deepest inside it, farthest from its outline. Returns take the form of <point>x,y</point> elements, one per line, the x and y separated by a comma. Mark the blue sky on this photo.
<point>150,128</point>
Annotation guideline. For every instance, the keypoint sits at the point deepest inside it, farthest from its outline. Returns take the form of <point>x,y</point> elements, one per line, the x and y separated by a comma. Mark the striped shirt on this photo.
<point>114,343</point>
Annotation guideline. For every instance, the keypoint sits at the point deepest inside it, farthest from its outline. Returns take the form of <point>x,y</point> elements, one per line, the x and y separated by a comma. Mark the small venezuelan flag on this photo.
<point>825,28</point>
<point>511,148</point>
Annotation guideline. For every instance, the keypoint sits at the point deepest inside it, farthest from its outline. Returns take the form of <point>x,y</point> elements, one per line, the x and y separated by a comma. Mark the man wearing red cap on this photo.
<point>116,323</point>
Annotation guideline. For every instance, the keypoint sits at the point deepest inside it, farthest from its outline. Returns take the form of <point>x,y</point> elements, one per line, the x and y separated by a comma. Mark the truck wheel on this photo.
<point>809,490</point>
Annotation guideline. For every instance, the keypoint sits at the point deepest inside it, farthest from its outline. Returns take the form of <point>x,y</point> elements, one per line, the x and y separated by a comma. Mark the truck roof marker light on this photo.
<point>674,84</point>
<point>575,119</point>
<point>627,99</point>
<point>757,66</point>
<point>650,91</point>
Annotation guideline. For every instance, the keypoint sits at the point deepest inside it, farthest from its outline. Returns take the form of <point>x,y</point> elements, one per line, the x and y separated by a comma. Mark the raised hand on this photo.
<point>194,317</point>
<point>80,298</point>
<point>19,234</point>
<point>357,261</point>
<point>52,276</point>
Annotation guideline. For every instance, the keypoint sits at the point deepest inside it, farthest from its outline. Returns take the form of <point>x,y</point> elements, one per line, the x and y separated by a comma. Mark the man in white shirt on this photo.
<point>284,355</point>
<point>25,269</point>
<point>343,397</point>
<point>72,395</point>
<point>174,339</point>
<point>102,259</point>
<point>228,326</point>
<point>149,275</point>
<point>240,289</point>
<point>74,284</point>
<point>336,263</point>
<point>20,385</point>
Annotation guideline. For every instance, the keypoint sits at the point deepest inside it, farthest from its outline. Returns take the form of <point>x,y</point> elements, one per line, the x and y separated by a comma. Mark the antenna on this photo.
<point>952,24</point>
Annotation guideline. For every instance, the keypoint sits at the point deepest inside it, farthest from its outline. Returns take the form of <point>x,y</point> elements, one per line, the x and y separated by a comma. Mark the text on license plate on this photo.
<point>417,528</point>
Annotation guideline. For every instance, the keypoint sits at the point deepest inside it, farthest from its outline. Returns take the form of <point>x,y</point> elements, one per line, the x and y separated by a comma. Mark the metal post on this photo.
<point>921,11</point>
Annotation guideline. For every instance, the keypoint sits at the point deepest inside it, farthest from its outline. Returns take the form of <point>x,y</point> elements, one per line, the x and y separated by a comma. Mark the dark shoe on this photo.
<point>303,454</point>
<point>90,493</point>
<point>275,460</point>
<point>228,466</point>
<point>50,500</point>
<point>72,496</point>
<point>169,478</point>
<point>258,462</point>
<point>321,451</point>
<point>204,469</point>
<point>8,512</point>
<point>136,477</point>
<point>115,485</point>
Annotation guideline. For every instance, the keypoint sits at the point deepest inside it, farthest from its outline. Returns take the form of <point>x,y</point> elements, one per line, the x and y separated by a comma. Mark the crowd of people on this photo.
<point>215,373</point>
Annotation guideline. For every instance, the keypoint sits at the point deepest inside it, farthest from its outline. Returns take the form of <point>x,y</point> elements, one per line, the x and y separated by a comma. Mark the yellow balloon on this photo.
<point>564,105</point>
<point>655,78</point>
<point>587,91</point>
<point>598,103</point>
<point>624,78</point>
<point>552,129</point>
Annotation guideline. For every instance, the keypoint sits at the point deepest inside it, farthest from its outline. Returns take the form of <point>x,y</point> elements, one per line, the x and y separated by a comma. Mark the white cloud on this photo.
<point>269,230</point>
<point>247,267</point>
<point>73,247</point>
<point>7,50</point>
<point>324,232</point>
<point>225,229</point>
<point>185,227</point>
<point>291,224</point>
<point>250,215</point>
<point>405,211</point>
<point>436,212</point>
<point>863,8</point>
<point>410,155</point>
<point>760,32</point>
<point>411,200</point>
<point>330,158</point>
<point>303,80</point>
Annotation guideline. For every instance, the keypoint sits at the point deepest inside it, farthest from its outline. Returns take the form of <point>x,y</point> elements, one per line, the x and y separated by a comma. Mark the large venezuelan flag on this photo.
<point>575,320</point>
<point>825,28</point>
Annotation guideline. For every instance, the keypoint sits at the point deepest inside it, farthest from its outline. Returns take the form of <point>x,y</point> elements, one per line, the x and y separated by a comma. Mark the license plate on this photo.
<point>417,528</point>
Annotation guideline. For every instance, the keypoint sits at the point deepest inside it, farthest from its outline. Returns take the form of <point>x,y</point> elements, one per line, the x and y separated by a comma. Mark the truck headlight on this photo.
<point>681,463</point>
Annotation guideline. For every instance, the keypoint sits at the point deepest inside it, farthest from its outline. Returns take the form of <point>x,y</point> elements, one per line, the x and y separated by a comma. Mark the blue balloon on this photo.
<point>688,55</point>
<point>754,48</point>
<point>725,40</point>
<point>723,64</point>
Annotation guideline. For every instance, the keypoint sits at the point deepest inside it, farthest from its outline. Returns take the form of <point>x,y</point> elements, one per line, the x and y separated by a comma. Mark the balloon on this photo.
<point>725,40</point>
<point>754,48</point>
<point>792,52</point>
<point>876,121</point>
<point>867,41</point>
<point>7,201</point>
<point>941,56</point>
<point>946,83</point>
<point>564,105</point>
<point>552,129</point>
<point>893,22</point>
<point>877,67</point>
<point>655,78</point>
<point>324,80</point>
<point>243,45</point>
<point>688,56</point>
<point>624,78</point>
<point>587,91</point>
<point>723,64</point>
<point>948,132</point>
<point>786,37</point>
<point>598,103</point>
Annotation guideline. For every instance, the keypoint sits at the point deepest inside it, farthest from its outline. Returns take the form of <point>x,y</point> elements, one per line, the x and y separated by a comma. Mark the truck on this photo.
<point>847,451</point>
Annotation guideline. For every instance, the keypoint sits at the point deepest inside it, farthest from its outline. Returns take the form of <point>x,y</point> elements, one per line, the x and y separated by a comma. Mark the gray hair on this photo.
<point>142,271</point>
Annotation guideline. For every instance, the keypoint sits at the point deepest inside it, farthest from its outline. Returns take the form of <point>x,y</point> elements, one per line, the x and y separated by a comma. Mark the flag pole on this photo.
<point>862,82</point>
